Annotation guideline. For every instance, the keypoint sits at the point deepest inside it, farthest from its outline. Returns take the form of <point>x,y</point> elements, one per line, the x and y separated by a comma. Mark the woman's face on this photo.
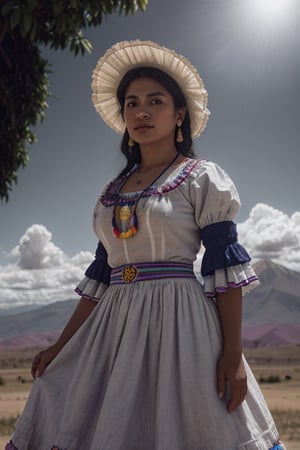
<point>149,112</point>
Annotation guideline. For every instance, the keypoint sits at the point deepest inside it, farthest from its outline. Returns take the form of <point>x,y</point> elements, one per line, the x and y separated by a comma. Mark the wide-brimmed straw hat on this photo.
<point>127,55</point>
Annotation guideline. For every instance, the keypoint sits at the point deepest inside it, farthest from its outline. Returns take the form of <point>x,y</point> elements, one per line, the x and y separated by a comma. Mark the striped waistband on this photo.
<point>131,273</point>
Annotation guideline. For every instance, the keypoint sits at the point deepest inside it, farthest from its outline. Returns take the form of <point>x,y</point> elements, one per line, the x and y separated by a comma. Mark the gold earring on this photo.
<point>179,136</point>
<point>130,142</point>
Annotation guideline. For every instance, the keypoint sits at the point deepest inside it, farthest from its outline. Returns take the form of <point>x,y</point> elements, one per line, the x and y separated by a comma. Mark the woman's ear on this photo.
<point>180,114</point>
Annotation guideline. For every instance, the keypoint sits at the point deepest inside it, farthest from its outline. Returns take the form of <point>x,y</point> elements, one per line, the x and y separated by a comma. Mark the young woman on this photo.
<point>152,359</point>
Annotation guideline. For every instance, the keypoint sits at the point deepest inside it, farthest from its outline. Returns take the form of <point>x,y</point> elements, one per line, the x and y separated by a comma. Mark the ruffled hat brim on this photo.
<point>127,55</point>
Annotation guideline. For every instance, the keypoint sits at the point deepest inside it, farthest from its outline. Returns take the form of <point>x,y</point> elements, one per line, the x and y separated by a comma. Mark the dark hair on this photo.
<point>133,154</point>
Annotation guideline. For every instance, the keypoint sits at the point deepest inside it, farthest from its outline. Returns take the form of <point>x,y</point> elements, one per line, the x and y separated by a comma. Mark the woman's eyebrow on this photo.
<point>151,94</point>
<point>154,94</point>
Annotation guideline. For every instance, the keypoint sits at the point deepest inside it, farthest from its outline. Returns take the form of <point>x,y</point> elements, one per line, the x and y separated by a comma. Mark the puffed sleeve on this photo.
<point>97,276</point>
<point>225,262</point>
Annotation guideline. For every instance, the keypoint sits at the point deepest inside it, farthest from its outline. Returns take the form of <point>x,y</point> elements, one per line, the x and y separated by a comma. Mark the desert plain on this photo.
<point>277,370</point>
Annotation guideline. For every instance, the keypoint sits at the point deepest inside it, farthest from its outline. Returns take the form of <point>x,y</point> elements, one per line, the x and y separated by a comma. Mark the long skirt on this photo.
<point>140,374</point>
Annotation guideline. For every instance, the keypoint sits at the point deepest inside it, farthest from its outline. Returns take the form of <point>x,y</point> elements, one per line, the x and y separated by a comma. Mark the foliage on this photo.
<point>288,424</point>
<point>270,379</point>
<point>7,425</point>
<point>24,84</point>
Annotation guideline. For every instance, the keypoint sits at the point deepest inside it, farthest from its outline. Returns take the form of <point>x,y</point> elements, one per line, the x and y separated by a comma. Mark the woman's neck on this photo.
<point>153,157</point>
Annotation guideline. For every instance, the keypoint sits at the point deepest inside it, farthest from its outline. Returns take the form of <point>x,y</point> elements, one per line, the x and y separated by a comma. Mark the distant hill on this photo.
<point>35,328</point>
<point>277,299</point>
<point>271,314</point>
<point>271,311</point>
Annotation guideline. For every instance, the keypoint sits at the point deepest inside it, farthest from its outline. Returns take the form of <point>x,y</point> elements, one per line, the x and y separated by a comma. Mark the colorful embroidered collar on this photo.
<point>111,195</point>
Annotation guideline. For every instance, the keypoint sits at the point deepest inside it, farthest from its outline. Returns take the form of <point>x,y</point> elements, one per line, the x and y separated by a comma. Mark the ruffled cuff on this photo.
<point>241,275</point>
<point>222,250</point>
<point>91,289</point>
<point>97,276</point>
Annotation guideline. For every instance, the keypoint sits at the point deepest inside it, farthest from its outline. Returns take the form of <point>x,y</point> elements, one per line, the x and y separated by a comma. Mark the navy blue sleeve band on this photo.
<point>222,248</point>
<point>99,269</point>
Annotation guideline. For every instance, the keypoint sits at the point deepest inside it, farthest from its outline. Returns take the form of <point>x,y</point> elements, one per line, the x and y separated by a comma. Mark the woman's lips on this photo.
<point>143,127</point>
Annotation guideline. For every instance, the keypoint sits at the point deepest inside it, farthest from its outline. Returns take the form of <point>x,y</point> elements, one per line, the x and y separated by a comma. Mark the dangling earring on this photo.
<point>179,136</point>
<point>130,142</point>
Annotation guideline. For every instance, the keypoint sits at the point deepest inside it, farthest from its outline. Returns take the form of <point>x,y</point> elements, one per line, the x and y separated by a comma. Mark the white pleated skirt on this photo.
<point>140,374</point>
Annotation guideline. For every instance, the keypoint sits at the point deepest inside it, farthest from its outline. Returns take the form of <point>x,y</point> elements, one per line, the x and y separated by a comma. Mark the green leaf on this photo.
<point>7,8</point>
<point>87,45</point>
<point>26,23</point>
<point>31,4</point>
<point>33,32</point>
<point>142,4</point>
<point>15,18</point>
<point>56,7</point>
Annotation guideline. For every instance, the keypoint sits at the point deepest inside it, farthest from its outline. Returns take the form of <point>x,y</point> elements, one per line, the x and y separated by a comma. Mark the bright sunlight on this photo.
<point>272,8</point>
<point>268,15</point>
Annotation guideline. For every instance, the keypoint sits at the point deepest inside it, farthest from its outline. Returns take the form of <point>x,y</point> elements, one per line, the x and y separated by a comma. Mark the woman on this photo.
<point>151,359</point>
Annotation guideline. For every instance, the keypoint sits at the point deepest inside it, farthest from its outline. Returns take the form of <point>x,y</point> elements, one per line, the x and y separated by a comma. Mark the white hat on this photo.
<point>127,55</point>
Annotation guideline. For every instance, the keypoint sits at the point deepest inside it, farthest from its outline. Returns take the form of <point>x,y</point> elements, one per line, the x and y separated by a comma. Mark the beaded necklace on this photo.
<point>127,211</point>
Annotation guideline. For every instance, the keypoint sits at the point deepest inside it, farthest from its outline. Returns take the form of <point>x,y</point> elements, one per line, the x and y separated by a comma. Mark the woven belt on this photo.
<point>131,273</point>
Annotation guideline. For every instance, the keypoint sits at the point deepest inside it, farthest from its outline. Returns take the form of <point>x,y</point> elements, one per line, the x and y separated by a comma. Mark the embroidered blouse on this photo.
<point>191,206</point>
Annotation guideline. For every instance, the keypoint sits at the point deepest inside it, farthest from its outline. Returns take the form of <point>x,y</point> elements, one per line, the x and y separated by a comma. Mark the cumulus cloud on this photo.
<point>36,251</point>
<point>270,234</point>
<point>43,273</point>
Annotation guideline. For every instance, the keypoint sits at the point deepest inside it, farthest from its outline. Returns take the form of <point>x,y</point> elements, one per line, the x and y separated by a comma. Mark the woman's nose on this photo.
<point>142,115</point>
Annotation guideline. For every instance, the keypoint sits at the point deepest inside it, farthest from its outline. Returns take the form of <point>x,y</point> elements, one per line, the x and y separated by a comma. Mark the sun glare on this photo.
<point>270,13</point>
<point>272,7</point>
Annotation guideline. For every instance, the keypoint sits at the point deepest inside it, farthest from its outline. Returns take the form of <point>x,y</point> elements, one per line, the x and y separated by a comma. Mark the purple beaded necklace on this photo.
<point>128,210</point>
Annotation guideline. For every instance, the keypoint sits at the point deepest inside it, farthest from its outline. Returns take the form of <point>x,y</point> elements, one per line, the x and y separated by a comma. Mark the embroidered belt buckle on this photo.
<point>129,274</point>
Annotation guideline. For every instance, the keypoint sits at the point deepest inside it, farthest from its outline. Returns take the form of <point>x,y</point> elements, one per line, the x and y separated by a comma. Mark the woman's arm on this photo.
<point>79,316</point>
<point>230,366</point>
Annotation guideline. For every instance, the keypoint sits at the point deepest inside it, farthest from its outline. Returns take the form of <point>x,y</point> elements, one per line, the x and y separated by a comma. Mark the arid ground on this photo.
<point>277,370</point>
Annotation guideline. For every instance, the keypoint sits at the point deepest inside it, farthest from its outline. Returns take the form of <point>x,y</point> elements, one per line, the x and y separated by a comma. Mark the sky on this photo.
<point>248,54</point>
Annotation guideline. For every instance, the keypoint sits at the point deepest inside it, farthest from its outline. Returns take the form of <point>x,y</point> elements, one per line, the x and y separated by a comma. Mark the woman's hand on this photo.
<point>231,368</point>
<point>42,360</point>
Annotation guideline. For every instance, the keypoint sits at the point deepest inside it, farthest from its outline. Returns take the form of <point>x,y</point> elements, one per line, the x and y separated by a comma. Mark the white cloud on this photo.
<point>43,273</point>
<point>36,251</point>
<point>270,234</point>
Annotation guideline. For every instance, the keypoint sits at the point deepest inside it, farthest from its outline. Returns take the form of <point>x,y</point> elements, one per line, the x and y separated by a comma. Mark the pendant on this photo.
<point>125,212</point>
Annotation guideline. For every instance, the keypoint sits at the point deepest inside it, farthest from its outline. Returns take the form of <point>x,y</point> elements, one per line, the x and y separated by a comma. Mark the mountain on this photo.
<point>271,311</point>
<point>18,309</point>
<point>38,327</point>
<point>277,299</point>
<point>271,314</point>
<point>271,334</point>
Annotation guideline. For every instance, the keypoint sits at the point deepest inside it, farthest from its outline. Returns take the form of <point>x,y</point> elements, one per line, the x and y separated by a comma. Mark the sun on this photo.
<point>270,14</point>
<point>272,7</point>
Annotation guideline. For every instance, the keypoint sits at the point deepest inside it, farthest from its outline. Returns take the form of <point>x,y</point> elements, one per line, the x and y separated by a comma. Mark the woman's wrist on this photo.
<point>57,346</point>
<point>233,350</point>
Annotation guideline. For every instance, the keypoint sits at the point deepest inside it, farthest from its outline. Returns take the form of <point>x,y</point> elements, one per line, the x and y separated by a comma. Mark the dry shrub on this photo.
<point>288,423</point>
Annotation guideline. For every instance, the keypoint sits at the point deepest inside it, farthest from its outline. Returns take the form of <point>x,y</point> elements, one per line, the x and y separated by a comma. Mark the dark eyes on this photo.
<point>153,101</point>
<point>131,104</point>
<point>156,101</point>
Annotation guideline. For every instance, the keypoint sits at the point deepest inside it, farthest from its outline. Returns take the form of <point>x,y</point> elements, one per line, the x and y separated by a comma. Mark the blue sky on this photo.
<point>249,60</point>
